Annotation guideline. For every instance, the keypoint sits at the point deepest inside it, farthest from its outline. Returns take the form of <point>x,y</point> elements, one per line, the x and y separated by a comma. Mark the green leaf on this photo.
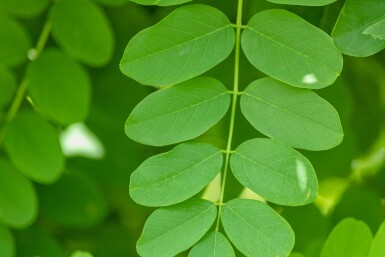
<point>24,8</point>
<point>113,3</point>
<point>83,31</point>
<point>349,238</point>
<point>59,87</point>
<point>14,42</point>
<point>7,87</point>
<point>214,244</point>
<point>297,116</point>
<point>256,229</point>
<point>186,43</point>
<point>160,2</point>
<point>377,248</point>
<point>18,202</point>
<point>33,146</point>
<point>171,230</point>
<point>175,176</point>
<point>7,243</point>
<point>303,2</point>
<point>275,171</point>
<point>288,48</point>
<point>377,30</point>
<point>355,17</point>
<point>178,113</point>
<point>81,254</point>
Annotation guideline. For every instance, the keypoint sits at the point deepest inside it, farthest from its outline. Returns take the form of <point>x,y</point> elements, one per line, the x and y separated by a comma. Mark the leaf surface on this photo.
<point>23,8</point>
<point>214,244</point>
<point>186,43</point>
<point>297,116</point>
<point>256,229</point>
<point>377,248</point>
<point>171,230</point>
<point>7,87</point>
<point>287,48</point>
<point>355,17</point>
<point>377,30</point>
<point>178,113</point>
<point>275,171</point>
<point>7,243</point>
<point>175,176</point>
<point>303,2</point>
<point>160,2</point>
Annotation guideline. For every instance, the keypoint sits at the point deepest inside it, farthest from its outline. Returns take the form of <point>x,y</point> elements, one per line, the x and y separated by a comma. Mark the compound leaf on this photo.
<point>18,201</point>
<point>175,176</point>
<point>178,113</point>
<point>189,41</point>
<point>349,238</point>
<point>295,115</point>
<point>171,230</point>
<point>7,243</point>
<point>83,31</point>
<point>355,17</point>
<point>377,248</point>
<point>303,2</point>
<point>256,229</point>
<point>275,171</point>
<point>23,8</point>
<point>160,2</point>
<point>59,87</point>
<point>377,30</point>
<point>289,49</point>
<point>33,146</point>
<point>214,244</point>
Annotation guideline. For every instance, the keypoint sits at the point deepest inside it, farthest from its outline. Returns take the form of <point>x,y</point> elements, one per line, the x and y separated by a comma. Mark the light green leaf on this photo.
<point>189,41</point>
<point>178,113</point>
<point>23,8</point>
<point>175,176</point>
<point>160,2</point>
<point>349,238</point>
<point>377,30</point>
<point>377,248</point>
<point>33,146</point>
<point>83,31</point>
<point>171,230</point>
<point>7,243</point>
<point>7,87</point>
<point>18,202</point>
<point>275,171</point>
<point>59,87</point>
<point>355,17</point>
<point>214,244</point>
<point>303,2</point>
<point>256,229</point>
<point>287,48</point>
<point>297,116</point>
<point>81,254</point>
<point>14,42</point>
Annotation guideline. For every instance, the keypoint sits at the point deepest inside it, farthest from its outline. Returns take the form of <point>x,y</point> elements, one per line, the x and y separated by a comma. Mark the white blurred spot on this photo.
<point>301,175</point>
<point>32,54</point>
<point>78,140</point>
<point>309,79</point>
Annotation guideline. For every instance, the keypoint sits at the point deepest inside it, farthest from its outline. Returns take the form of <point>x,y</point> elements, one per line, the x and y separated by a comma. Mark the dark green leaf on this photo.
<point>18,203</point>
<point>188,42</point>
<point>171,230</point>
<point>23,8</point>
<point>377,30</point>
<point>214,244</point>
<point>33,146</point>
<point>83,31</point>
<point>178,113</point>
<point>288,48</point>
<point>160,2</point>
<point>7,243</point>
<point>297,116</point>
<point>303,2</point>
<point>175,176</point>
<point>113,3</point>
<point>355,17</point>
<point>7,87</point>
<point>59,87</point>
<point>275,171</point>
<point>377,248</point>
<point>256,229</point>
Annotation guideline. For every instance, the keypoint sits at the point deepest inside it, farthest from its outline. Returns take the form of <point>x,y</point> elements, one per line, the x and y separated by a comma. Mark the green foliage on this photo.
<point>303,2</point>
<point>377,248</point>
<point>81,254</point>
<point>214,244</point>
<point>160,2</point>
<point>377,30</point>
<point>7,243</point>
<point>23,8</point>
<point>8,86</point>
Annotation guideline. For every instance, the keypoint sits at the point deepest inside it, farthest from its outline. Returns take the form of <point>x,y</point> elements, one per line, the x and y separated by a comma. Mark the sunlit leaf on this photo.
<point>59,87</point>
<point>349,238</point>
<point>287,48</point>
<point>18,203</point>
<point>297,116</point>
<point>160,2</point>
<point>256,229</point>
<point>275,171</point>
<point>178,113</point>
<point>7,87</point>
<point>188,42</point>
<point>83,31</point>
<point>23,8</point>
<point>171,230</point>
<point>355,17</point>
<point>377,30</point>
<point>214,244</point>
<point>303,2</point>
<point>175,176</point>
<point>81,254</point>
<point>34,148</point>
<point>377,248</point>
<point>7,243</point>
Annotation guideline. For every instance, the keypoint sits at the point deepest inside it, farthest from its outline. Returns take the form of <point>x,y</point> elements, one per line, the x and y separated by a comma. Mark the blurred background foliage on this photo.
<point>87,205</point>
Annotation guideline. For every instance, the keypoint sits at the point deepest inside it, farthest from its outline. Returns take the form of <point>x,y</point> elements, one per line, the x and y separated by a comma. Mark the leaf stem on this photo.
<point>233,108</point>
